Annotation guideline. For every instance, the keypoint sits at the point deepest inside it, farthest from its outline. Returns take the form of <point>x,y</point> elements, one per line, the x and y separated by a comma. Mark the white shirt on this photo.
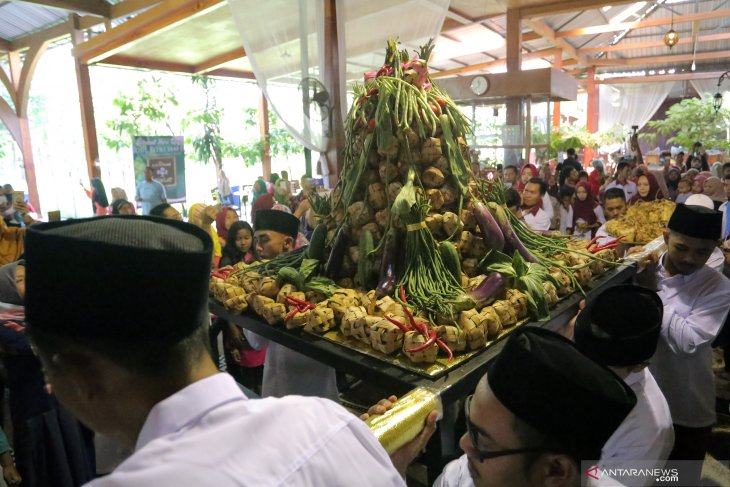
<point>725,229</point>
<point>538,221</point>
<point>287,372</point>
<point>646,434</point>
<point>455,474</point>
<point>695,308</point>
<point>209,434</point>
<point>564,220</point>
<point>629,188</point>
<point>716,260</point>
<point>547,205</point>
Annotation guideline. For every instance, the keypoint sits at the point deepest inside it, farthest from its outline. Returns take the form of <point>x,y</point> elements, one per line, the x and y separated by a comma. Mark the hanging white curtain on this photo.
<point>631,103</point>
<point>284,43</point>
<point>703,86</point>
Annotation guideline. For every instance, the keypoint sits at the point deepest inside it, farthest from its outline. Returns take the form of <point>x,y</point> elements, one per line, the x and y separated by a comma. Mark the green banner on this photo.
<point>166,156</point>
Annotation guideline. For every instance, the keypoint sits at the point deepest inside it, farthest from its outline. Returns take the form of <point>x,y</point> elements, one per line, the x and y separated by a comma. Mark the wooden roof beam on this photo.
<point>647,44</point>
<point>602,29</point>
<point>220,60</point>
<point>660,77</point>
<point>498,63</point>
<point>94,7</point>
<point>551,36</point>
<point>134,62</point>
<point>154,21</point>
<point>555,8</point>
<point>128,7</point>
<point>678,58</point>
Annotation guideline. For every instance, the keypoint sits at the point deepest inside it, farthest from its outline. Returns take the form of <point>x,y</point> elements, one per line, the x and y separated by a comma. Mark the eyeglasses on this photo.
<point>482,455</point>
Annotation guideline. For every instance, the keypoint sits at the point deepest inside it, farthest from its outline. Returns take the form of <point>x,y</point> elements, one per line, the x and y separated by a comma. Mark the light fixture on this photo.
<point>717,98</point>
<point>671,38</point>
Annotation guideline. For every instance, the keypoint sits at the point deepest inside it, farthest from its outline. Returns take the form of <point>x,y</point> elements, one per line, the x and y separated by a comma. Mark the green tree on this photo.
<point>208,144</point>
<point>694,120</point>
<point>281,143</point>
<point>145,112</point>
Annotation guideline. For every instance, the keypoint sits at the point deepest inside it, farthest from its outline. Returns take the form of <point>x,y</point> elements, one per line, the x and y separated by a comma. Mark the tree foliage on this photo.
<point>144,112</point>
<point>208,144</point>
<point>280,141</point>
<point>694,120</point>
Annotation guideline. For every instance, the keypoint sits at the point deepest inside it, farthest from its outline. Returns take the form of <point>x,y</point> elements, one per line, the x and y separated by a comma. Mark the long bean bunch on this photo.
<point>429,285</point>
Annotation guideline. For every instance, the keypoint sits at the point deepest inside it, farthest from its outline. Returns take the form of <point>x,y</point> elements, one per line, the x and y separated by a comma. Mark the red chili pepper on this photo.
<point>372,92</point>
<point>431,340</point>
<point>291,314</point>
<point>371,125</point>
<point>609,245</point>
<point>441,102</point>
<point>446,348</point>
<point>295,300</point>
<point>593,241</point>
<point>435,108</point>
<point>397,323</point>
<point>414,323</point>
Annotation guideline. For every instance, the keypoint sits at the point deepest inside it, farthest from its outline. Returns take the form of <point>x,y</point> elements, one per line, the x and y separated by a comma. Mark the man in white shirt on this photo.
<point>535,217</point>
<point>139,370</point>
<point>541,409</point>
<point>696,302</point>
<point>150,192</point>
<point>622,181</point>
<point>614,206</point>
<point>619,329</point>
<point>286,371</point>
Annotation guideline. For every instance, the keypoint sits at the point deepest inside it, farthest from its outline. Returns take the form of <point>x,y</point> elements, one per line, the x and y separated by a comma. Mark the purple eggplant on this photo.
<point>491,232</point>
<point>511,241</point>
<point>337,254</point>
<point>388,278</point>
<point>486,291</point>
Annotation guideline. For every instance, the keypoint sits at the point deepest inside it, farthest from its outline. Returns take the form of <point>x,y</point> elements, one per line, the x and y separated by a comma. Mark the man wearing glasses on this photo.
<point>541,408</point>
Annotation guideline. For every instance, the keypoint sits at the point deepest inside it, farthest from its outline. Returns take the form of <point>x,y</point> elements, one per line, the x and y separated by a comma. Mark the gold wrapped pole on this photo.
<point>405,420</point>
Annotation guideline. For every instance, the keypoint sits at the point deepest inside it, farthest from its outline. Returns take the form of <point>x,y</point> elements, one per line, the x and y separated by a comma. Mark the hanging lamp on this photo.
<point>671,38</point>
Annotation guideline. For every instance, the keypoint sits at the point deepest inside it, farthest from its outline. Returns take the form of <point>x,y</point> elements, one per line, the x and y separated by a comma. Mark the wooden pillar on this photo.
<point>86,104</point>
<point>591,112</point>
<point>557,64</point>
<point>336,140</point>
<point>21,75</point>
<point>514,64</point>
<point>264,130</point>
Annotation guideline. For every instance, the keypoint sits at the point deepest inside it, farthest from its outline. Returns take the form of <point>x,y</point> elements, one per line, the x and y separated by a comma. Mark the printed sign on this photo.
<point>166,156</point>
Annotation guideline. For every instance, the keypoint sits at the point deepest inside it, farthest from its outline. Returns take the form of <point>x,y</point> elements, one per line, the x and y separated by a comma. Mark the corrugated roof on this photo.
<point>18,19</point>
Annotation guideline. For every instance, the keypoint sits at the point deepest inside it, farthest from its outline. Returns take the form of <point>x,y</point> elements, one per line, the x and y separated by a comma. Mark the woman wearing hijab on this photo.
<point>698,183</point>
<point>203,216</point>
<point>716,170</point>
<point>585,214</point>
<point>51,446</point>
<point>647,189</point>
<point>263,200</point>
<point>714,188</point>
<point>527,172</point>
<point>223,221</point>
<point>672,177</point>
<point>596,178</point>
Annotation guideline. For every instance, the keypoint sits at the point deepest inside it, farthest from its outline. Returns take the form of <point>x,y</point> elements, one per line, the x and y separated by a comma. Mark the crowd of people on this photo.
<point>569,200</point>
<point>629,379</point>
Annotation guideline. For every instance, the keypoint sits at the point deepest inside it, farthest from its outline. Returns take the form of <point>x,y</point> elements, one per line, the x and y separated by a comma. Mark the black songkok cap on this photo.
<point>545,381</point>
<point>620,327</point>
<point>696,221</point>
<point>278,221</point>
<point>118,279</point>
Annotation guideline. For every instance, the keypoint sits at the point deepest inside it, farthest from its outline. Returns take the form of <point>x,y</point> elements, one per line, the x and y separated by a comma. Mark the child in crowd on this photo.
<point>585,215</point>
<point>239,244</point>
<point>566,199</point>
<point>583,176</point>
<point>684,189</point>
